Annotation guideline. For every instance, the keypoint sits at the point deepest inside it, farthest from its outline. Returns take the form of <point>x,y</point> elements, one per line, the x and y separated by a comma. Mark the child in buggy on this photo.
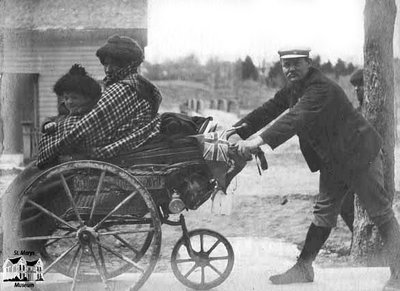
<point>79,93</point>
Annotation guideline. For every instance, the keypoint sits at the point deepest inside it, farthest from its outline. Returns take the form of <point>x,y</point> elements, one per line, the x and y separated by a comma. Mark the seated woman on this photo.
<point>126,115</point>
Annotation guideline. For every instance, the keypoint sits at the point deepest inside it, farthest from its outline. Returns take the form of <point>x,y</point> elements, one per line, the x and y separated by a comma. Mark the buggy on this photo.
<point>104,218</point>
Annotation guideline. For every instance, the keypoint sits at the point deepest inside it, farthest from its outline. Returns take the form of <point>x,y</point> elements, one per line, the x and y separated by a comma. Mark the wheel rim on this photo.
<point>93,230</point>
<point>211,263</point>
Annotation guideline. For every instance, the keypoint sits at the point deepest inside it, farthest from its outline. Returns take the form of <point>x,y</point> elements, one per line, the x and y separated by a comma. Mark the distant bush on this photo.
<point>249,70</point>
<point>275,78</point>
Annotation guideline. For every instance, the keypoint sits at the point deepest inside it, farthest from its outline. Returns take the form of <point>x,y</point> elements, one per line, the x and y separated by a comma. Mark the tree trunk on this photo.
<point>378,108</point>
<point>397,96</point>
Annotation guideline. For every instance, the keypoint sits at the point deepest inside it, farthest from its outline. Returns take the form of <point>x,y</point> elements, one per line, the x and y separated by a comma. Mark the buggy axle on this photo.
<point>86,235</point>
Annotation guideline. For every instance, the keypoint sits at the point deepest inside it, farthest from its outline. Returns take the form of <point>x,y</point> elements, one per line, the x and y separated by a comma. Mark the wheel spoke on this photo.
<point>103,264</point>
<point>190,271</point>
<point>73,259</point>
<point>99,268</point>
<point>56,240</point>
<point>201,242</point>
<point>122,220</point>
<point>213,247</point>
<point>60,258</point>
<point>77,270</point>
<point>219,258</point>
<point>71,199</point>
<point>122,257</point>
<point>202,275</point>
<point>60,227</point>
<point>126,243</point>
<point>180,261</point>
<point>45,237</point>
<point>96,195</point>
<point>122,203</point>
<point>215,269</point>
<point>125,231</point>
<point>51,214</point>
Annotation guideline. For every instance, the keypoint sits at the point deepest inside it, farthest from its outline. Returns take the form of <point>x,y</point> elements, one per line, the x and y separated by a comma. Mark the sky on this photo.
<point>233,29</point>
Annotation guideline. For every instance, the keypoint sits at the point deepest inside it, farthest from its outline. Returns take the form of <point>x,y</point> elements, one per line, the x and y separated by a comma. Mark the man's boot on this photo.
<point>302,271</point>
<point>390,232</point>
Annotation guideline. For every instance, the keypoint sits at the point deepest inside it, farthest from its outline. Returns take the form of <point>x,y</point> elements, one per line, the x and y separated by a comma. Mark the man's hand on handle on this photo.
<point>234,138</point>
<point>248,147</point>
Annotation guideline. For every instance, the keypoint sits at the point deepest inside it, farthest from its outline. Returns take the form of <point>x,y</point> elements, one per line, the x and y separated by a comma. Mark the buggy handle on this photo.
<point>259,154</point>
<point>261,157</point>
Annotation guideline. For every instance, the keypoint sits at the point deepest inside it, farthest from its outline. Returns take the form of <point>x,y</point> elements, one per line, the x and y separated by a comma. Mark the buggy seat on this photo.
<point>167,152</point>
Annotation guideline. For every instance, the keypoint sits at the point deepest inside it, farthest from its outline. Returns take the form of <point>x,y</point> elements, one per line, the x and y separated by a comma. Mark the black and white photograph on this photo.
<point>222,145</point>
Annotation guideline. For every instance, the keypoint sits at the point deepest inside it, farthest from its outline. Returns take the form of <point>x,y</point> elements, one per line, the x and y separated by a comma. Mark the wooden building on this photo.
<point>40,41</point>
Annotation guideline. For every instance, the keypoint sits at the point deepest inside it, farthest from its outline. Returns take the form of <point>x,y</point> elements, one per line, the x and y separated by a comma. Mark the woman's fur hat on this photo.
<point>77,80</point>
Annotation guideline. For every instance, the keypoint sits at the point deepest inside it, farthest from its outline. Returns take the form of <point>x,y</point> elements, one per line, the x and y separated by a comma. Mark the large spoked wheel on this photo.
<point>210,263</point>
<point>89,220</point>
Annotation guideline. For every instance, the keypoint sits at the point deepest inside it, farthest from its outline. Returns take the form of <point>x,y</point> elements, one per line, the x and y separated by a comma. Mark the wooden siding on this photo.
<point>75,14</point>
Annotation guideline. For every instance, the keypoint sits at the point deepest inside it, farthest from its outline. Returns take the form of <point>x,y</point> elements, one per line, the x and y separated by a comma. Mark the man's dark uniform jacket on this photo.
<point>331,131</point>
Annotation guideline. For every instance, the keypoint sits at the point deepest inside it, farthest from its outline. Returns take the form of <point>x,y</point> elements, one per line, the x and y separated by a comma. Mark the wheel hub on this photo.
<point>201,259</point>
<point>86,235</point>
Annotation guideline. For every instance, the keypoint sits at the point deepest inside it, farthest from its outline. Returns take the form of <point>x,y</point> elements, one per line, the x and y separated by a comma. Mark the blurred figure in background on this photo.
<point>347,209</point>
<point>357,80</point>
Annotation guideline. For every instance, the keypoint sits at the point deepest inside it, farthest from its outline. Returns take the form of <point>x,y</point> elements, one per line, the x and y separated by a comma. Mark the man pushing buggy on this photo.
<point>336,140</point>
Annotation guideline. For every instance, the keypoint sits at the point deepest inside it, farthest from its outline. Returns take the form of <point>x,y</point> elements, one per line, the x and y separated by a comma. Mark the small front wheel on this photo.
<point>210,263</point>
